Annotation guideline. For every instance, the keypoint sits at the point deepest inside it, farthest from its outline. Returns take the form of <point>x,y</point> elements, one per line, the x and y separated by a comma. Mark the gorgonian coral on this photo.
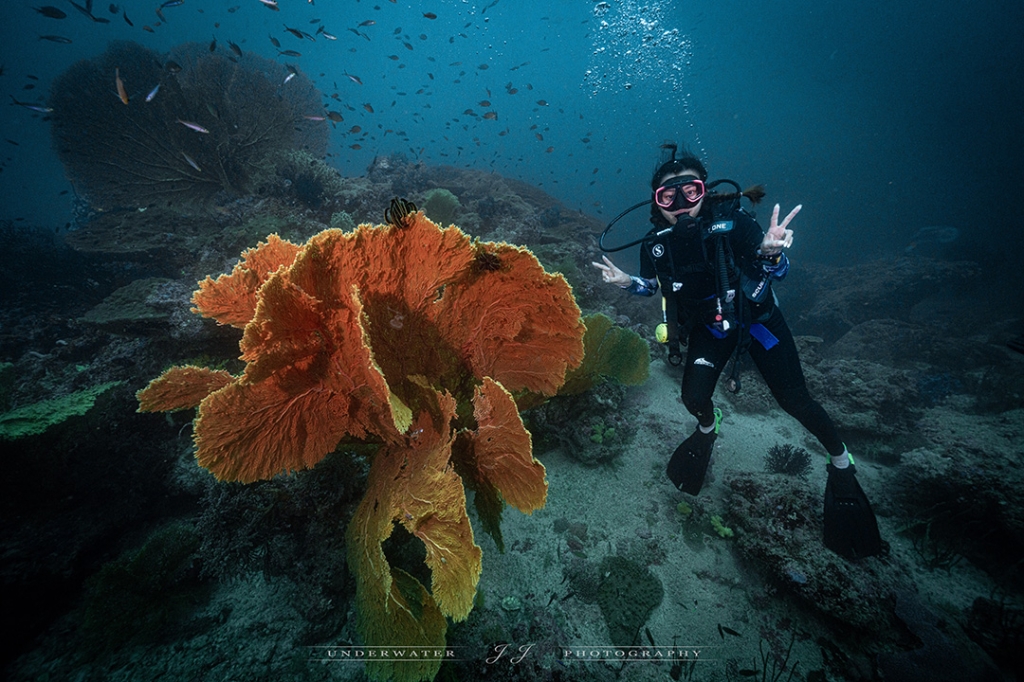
<point>135,128</point>
<point>389,334</point>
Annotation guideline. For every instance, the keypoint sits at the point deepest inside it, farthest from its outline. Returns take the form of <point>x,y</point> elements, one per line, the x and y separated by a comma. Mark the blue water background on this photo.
<point>879,117</point>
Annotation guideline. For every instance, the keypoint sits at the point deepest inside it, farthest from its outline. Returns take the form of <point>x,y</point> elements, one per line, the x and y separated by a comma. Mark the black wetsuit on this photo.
<point>686,260</point>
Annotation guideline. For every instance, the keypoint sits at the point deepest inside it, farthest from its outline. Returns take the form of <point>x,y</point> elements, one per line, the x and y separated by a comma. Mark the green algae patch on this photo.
<point>31,420</point>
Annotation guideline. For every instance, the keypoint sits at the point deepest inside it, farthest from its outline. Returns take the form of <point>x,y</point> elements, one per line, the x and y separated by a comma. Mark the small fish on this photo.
<point>172,3</point>
<point>152,93</point>
<point>334,116</point>
<point>56,39</point>
<point>355,129</point>
<point>354,79</point>
<point>113,9</point>
<point>355,146</point>
<point>490,115</point>
<point>119,84</point>
<point>289,53</point>
<point>173,67</point>
<point>329,36</point>
<point>271,4</point>
<point>289,77</point>
<point>275,42</point>
<point>429,15</point>
<point>723,631</point>
<point>484,103</point>
<point>87,11</point>
<point>235,48</point>
<point>542,103</point>
<point>213,44</point>
<point>32,107</point>
<point>368,107</point>
<point>51,12</point>
<point>368,22</point>
<point>315,118</point>
<point>193,126</point>
<point>127,20</point>
<point>192,162</point>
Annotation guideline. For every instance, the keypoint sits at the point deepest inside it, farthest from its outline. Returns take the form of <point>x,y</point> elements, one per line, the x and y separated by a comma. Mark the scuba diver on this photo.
<point>714,266</point>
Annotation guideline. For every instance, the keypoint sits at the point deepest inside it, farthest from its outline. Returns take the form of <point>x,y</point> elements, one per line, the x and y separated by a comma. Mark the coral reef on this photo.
<point>610,352</point>
<point>148,304</point>
<point>996,624</point>
<point>778,527</point>
<point>784,458</point>
<point>441,206</point>
<point>834,300</point>
<point>588,416</point>
<point>144,592</point>
<point>625,591</point>
<point>595,427</point>
<point>627,595</point>
<point>390,334</point>
<point>930,491</point>
<point>31,420</point>
<point>945,652</point>
<point>213,121</point>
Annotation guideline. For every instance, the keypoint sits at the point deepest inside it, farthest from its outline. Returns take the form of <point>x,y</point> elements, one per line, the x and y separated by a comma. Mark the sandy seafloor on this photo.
<point>706,583</point>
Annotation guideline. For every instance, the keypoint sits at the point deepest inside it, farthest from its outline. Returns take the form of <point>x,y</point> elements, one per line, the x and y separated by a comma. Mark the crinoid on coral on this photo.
<point>126,143</point>
<point>787,459</point>
<point>389,335</point>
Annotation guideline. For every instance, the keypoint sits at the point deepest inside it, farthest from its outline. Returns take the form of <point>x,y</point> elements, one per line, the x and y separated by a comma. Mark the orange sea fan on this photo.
<point>310,381</point>
<point>412,337</point>
<point>415,486</point>
<point>515,323</point>
<point>181,388</point>
<point>502,450</point>
<point>231,299</point>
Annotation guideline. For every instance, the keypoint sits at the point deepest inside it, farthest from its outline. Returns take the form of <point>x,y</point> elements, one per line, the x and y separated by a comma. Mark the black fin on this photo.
<point>689,462</point>
<point>851,529</point>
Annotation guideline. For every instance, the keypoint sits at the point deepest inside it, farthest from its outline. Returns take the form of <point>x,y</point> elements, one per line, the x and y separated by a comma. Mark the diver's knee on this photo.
<point>794,400</point>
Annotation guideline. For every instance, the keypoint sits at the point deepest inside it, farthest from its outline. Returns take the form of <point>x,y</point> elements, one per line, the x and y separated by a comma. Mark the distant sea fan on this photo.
<point>787,459</point>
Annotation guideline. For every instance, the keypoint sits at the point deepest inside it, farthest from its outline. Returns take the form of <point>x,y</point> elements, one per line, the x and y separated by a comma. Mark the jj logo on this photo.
<point>514,657</point>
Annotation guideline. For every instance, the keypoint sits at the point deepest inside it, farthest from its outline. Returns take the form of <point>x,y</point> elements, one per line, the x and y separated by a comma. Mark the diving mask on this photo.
<point>679,193</point>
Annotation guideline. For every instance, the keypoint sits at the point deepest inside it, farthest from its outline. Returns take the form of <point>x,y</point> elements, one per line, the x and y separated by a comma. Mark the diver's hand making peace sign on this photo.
<point>778,237</point>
